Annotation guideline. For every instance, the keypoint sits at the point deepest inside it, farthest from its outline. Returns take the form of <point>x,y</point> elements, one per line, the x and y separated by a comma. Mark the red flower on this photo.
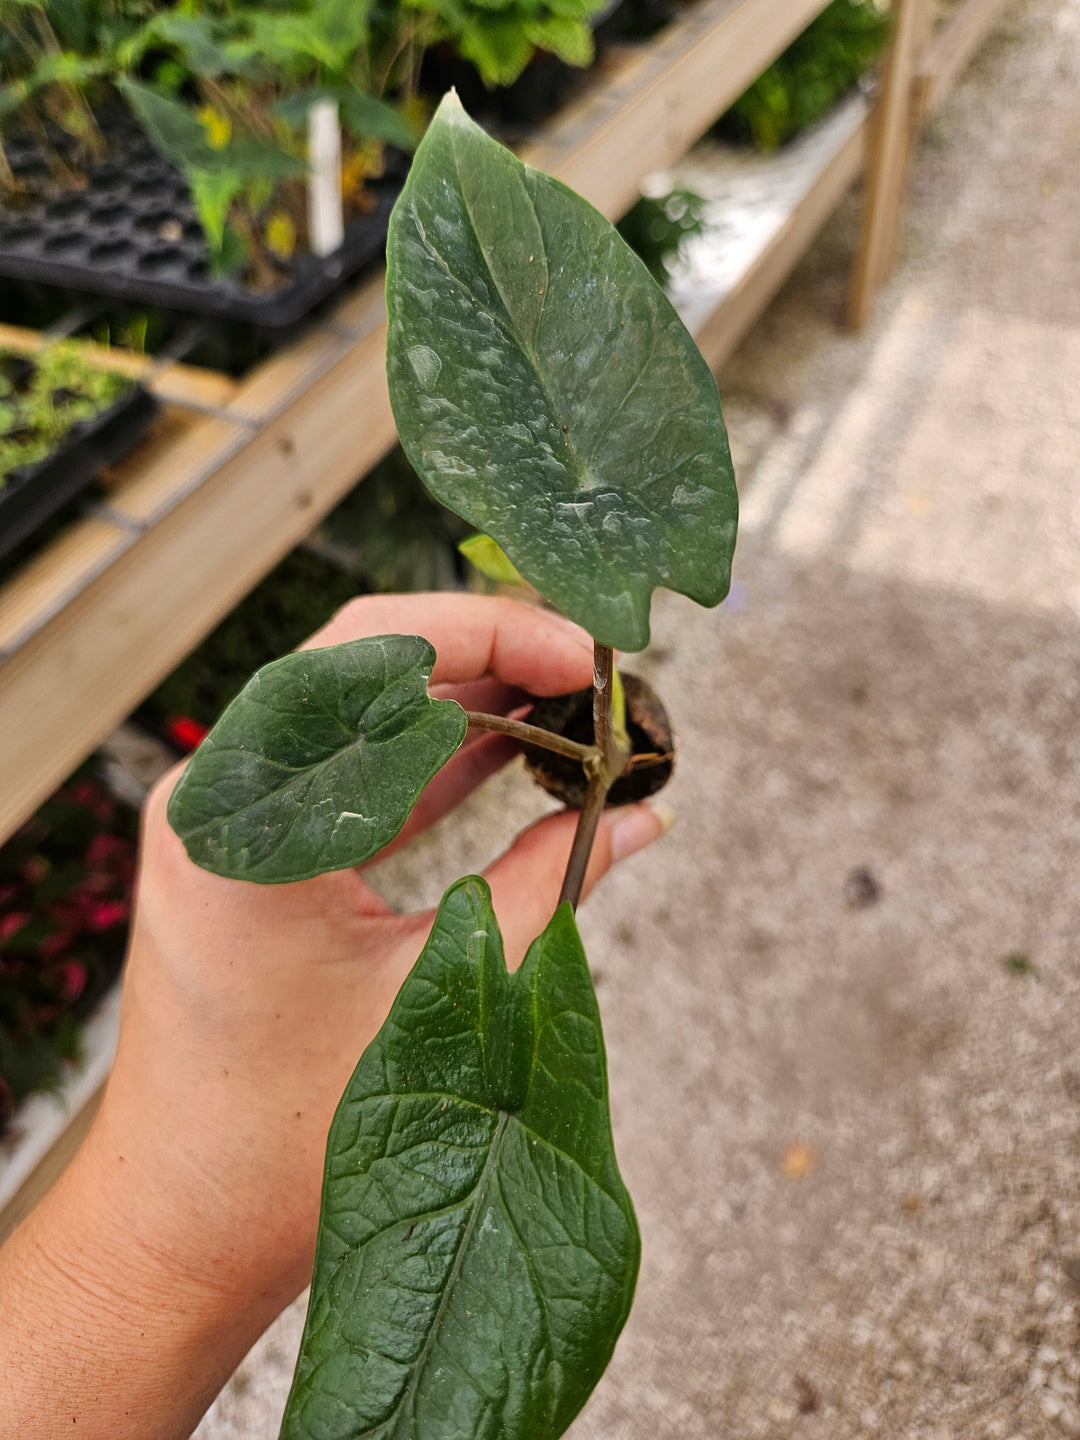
<point>73,977</point>
<point>56,944</point>
<point>103,848</point>
<point>104,914</point>
<point>185,732</point>
<point>9,924</point>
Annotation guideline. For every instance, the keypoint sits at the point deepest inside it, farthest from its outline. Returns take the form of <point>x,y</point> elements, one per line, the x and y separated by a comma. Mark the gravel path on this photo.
<point>842,999</point>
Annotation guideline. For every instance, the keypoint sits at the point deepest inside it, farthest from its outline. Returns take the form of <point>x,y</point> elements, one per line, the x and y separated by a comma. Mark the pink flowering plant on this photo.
<point>65,895</point>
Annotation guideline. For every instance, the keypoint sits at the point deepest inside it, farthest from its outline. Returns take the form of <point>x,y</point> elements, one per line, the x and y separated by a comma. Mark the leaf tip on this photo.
<point>451,109</point>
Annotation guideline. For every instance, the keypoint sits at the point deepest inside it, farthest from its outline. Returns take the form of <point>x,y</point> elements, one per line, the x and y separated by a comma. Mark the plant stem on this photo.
<point>613,758</point>
<point>607,743</point>
<point>532,735</point>
<point>584,835</point>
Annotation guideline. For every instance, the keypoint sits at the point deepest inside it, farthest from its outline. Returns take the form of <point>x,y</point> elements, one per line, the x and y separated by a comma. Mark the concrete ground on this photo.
<point>842,999</point>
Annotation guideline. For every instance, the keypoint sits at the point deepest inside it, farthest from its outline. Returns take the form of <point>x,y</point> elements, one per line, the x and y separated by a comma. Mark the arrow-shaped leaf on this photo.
<point>317,763</point>
<point>545,389</point>
<point>477,1249</point>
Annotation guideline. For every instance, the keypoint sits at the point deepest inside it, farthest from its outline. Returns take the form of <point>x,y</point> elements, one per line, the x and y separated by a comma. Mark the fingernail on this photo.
<point>571,627</point>
<point>636,828</point>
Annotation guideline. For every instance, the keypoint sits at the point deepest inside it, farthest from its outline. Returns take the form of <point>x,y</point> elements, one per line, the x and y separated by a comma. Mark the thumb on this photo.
<point>526,880</point>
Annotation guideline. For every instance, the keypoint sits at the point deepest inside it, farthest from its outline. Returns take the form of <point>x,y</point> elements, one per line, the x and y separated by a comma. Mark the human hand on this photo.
<point>247,1006</point>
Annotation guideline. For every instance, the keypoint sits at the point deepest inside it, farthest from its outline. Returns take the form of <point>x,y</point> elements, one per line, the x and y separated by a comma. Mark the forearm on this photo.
<point>108,1329</point>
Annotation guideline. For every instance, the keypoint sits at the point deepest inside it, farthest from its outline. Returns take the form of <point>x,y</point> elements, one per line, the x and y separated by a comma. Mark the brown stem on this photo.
<point>584,835</point>
<point>91,134</point>
<point>614,755</point>
<point>532,735</point>
<point>613,761</point>
<point>646,760</point>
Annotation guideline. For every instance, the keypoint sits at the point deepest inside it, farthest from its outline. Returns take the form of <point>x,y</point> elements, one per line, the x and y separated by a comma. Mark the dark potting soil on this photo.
<point>572,716</point>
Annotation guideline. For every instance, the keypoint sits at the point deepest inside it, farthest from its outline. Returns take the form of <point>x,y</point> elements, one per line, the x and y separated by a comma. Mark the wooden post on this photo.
<point>954,45</point>
<point>895,120</point>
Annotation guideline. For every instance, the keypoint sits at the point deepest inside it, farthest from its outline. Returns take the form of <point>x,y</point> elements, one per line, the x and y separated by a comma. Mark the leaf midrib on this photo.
<point>487,1174</point>
<point>480,1190</point>
<point>511,330</point>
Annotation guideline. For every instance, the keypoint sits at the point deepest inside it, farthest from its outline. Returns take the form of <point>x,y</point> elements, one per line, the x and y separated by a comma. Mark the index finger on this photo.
<point>475,635</point>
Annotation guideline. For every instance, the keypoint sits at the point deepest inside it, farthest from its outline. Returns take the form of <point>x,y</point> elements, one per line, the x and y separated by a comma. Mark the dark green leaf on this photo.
<point>199,41</point>
<point>362,115</point>
<point>477,1249</point>
<point>173,129</point>
<point>496,44</point>
<point>257,159</point>
<point>317,763</point>
<point>545,389</point>
<point>570,40</point>
<point>213,192</point>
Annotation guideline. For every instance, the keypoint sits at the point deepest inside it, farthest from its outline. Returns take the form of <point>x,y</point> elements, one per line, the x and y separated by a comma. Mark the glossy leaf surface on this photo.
<point>545,389</point>
<point>317,763</point>
<point>477,1249</point>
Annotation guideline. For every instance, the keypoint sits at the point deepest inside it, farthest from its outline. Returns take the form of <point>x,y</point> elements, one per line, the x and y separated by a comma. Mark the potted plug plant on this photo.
<point>545,391</point>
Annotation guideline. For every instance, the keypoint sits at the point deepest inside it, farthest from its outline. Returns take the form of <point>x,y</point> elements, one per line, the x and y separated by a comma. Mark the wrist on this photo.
<point>185,1187</point>
<point>104,1274</point>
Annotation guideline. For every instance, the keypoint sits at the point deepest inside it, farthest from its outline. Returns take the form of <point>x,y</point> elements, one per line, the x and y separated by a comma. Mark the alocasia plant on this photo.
<point>477,1249</point>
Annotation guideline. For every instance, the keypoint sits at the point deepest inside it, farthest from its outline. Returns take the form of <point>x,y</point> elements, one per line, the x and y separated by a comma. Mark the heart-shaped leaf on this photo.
<point>317,763</point>
<point>545,389</point>
<point>477,1249</point>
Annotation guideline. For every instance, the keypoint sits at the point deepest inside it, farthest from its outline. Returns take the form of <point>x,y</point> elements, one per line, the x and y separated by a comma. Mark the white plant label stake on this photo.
<point>326,218</point>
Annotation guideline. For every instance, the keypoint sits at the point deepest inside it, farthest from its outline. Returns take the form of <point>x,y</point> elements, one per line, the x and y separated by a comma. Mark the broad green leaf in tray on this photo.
<point>317,763</point>
<point>545,389</point>
<point>477,1249</point>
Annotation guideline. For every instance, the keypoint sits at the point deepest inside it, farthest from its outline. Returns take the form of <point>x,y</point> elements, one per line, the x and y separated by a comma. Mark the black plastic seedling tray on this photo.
<point>30,494</point>
<point>133,235</point>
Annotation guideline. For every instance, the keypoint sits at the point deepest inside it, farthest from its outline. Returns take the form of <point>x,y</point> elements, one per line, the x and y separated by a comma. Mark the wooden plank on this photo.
<point>890,146</point>
<point>43,584</point>
<point>174,465</point>
<point>45,1176</point>
<point>721,333</point>
<point>664,98</point>
<point>287,375</point>
<point>954,47</point>
<point>157,474</point>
